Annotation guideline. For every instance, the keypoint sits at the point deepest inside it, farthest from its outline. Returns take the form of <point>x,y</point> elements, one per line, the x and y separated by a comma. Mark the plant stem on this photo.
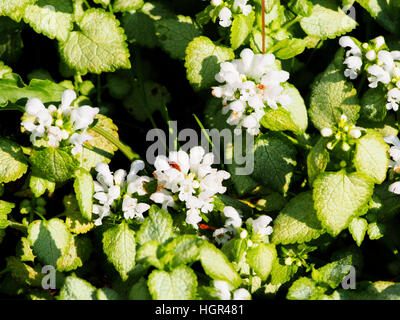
<point>292,22</point>
<point>126,150</point>
<point>17,226</point>
<point>40,215</point>
<point>98,90</point>
<point>263,25</point>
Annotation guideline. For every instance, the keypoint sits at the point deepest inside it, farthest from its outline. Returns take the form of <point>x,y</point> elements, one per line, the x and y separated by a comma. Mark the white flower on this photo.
<point>241,294</point>
<point>225,16</point>
<point>395,187</point>
<point>102,212</point>
<point>193,217</point>
<point>355,133</point>
<point>223,289</point>
<point>394,151</point>
<point>164,198</point>
<point>233,216</point>
<point>249,85</point>
<point>67,98</point>
<point>83,117</point>
<point>244,7</point>
<point>385,70</point>
<point>260,225</point>
<point>55,135</point>
<point>132,209</point>
<point>371,55</point>
<point>353,57</point>
<point>216,3</point>
<point>78,140</point>
<point>393,99</point>
<point>104,175</point>
<point>221,235</point>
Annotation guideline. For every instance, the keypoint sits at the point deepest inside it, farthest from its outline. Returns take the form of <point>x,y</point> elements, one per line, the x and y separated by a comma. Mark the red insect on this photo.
<point>174,165</point>
<point>204,226</point>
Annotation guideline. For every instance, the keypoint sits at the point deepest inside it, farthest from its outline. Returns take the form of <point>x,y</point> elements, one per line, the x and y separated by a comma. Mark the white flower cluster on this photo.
<point>55,125</point>
<point>233,221</point>
<point>380,66</point>
<point>394,163</point>
<point>110,188</point>
<point>225,13</point>
<point>224,289</point>
<point>191,177</point>
<point>250,84</point>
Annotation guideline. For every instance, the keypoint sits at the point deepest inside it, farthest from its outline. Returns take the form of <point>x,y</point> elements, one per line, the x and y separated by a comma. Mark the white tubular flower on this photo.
<point>83,117</point>
<point>353,59</point>
<point>385,70</point>
<point>193,217</point>
<point>395,187</point>
<point>378,74</point>
<point>394,152</point>
<point>78,140</point>
<point>67,98</point>
<point>102,212</point>
<point>244,7</point>
<point>393,99</point>
<point>225,17</point>
<point>55,135</point>
<point>241,294</point>
<point>221,235</point>
<point>260,225</point>
<point>104,175</point>
<point>119,177</point>
<point>132,209</point>
<point>223,289</point>
<point>233,216</point>
<point>164,198</point>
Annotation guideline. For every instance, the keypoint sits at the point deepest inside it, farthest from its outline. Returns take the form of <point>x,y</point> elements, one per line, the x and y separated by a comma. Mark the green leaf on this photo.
<point>371,156</point>
<point>127,5</point>
<point>24,273</point>
<point>373,104</point>
<point>56,164</point>
<point>53,18</point>
<point>13,163</point>
<point>327,20</point>
<point>5,209</point>
<point>333,273</point>
<point>202,61</point>
<point>139,25</point>
<point>75,288</point>
<point>174,35</point>
<point>376,230</point>
<point>24,250</point>
<point>289,48</point>
<point>74,220</point>
<point>241,28</point>
<point>180,284</point>
<point>140,291</point>
<point>99,45</point>
<point>301,7</point>
<point>297,222</point>
<point>261,259</point>
<point>107,294</point>
<point>120,247</point>
<point>157,226</point>
<point>182,250</point>
<point>292,117</point>
<point>217,266</point>
<point>4,69</point>
<point>14,8</point>
<point>304,289</point>
<point>100,149</point>
<point>147,254</point>
<point>317,160</point>
<point>339,197</point>
<point>333,95</point>
<point>12,89</point>
<point>155,94</point>
<point>84,189</point>
<point>380,290</point>
<point>282,273</point>
<point>70,260</point>
<point>50,241</point>
<point>358,227</point>
<point>274,162</point>
<point>386,13</point>
<point>39,185</point>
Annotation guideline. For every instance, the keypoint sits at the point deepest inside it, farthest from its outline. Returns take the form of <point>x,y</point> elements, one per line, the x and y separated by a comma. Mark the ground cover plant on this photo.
<point>307,90</point>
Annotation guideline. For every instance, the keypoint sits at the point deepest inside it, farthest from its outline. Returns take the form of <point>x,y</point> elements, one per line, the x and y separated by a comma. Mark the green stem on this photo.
<point>17,226</point>
<point>292,22</point>
<point>296,142</point>
<point>110,8</point>
<point>126,150</point>
<point>40,215</point>
<point>98,90</point>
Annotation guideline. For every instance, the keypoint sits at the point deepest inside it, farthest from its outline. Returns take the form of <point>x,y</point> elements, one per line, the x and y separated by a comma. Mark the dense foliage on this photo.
<point>84,215</point>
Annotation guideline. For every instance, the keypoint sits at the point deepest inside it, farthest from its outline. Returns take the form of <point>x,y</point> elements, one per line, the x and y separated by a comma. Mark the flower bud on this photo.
<point>345,147</point>
<point>371,55</point>
<point>355,133</point>
<point>326,132</point>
